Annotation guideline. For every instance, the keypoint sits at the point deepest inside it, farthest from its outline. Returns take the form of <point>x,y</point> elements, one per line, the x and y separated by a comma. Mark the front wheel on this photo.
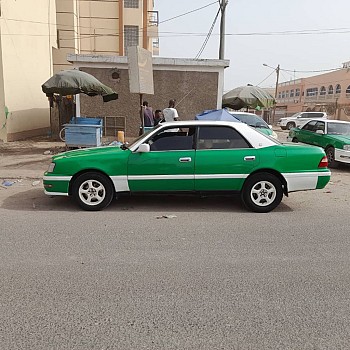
<point>295,140</point>
<point>330,153</point>
<point>93,191</point>
<point>262,192</point>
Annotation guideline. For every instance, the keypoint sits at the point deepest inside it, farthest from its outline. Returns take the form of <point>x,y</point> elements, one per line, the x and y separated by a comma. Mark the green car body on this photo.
<point>202,157</point>
<point>332,135</point>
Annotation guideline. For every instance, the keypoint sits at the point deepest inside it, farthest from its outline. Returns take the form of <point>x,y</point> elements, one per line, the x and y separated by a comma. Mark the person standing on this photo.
<point>158,117</point>
<point>170,113</point>
<point>147,113</point>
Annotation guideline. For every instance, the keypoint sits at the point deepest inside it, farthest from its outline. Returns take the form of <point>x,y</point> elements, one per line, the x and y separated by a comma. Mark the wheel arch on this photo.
<point>272,172</point>
<point>81,172</point>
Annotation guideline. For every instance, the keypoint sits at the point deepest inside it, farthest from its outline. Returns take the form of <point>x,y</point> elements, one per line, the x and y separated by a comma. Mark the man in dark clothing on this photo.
<point>147,113</point>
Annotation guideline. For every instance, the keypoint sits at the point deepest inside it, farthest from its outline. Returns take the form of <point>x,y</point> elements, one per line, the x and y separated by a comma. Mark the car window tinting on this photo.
<point>220,137</point>
<point>173,141</point>
<point>310,126</point>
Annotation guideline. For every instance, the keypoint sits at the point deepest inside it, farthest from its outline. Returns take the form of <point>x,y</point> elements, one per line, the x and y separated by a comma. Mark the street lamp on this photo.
<point>277,74</point>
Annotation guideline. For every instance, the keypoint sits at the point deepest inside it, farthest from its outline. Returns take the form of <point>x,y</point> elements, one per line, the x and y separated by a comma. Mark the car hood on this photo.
<point>96,151</point>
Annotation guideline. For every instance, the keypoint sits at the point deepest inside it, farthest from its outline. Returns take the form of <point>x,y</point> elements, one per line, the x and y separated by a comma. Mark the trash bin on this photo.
<point>83,132</point>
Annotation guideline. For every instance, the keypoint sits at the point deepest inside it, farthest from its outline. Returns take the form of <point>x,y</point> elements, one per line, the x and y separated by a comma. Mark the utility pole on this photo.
<point>274,107</point>
<point>223,4</point>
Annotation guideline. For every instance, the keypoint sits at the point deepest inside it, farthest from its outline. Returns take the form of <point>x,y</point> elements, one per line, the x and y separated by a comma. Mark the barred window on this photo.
<point>131,36</point>
<point>131,4</point>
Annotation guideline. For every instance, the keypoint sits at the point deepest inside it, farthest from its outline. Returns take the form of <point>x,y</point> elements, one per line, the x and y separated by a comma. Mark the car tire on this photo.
<point>330,153</point>
<point>295,140</point>
<point>290,125</point>
<point>262,192</point>
<point>93,191</point>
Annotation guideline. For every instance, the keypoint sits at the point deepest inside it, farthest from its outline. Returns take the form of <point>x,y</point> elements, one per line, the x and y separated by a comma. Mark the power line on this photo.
<point>187,13</point>
<point>208,36</point>
<point>265,78</point>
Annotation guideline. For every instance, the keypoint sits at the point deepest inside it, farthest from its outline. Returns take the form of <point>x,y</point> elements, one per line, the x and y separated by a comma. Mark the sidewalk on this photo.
<point>27,159</point>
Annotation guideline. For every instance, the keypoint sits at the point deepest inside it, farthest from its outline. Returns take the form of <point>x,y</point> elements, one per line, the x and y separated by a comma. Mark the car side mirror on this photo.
<point>270,126</point>
<point>321,132</point>
<point>143,148</point>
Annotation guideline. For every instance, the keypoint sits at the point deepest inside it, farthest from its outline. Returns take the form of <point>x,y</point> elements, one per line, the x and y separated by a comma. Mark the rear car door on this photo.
<point>224,159</point>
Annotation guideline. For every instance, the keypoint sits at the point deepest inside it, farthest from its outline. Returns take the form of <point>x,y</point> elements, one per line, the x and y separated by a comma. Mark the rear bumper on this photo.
<point>307,181</point>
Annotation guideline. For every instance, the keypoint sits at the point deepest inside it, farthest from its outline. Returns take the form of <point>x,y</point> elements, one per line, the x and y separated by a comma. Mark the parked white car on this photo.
<point>298,120</point>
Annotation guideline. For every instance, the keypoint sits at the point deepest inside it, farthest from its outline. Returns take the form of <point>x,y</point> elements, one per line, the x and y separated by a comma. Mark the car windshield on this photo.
<point>252,120</point>
<point>338,129</point>
<point>126,146</point>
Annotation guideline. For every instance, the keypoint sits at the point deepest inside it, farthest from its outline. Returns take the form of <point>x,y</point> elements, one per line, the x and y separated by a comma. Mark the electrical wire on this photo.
<point>208,36</point>
<point>265,78</point>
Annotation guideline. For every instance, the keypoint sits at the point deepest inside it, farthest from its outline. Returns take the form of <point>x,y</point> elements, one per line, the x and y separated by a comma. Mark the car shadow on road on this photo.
<point>35,199</point>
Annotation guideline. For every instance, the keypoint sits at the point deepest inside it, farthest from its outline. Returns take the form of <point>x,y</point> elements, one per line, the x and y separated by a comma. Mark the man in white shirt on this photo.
<point>170,113</point>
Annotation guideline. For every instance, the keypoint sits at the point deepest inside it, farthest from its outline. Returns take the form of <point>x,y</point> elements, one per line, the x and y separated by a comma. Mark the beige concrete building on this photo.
<point>27,35</point>
<point>197,85</point>
<point>33,47</point>
<point>329,92</point>
<point>104,28</point>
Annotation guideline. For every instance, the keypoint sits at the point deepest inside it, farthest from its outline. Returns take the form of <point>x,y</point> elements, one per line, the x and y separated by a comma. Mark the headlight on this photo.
<point>346,147</point>
<point>51,168</point>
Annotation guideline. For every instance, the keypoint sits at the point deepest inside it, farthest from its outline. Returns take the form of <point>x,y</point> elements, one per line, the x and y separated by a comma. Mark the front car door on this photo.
<point>169,166</point>
<point>307,132</point>
<point>224,159</point>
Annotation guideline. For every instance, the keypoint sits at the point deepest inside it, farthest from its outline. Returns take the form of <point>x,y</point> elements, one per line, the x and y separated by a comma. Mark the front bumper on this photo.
<point>56,185</point>
<point>342,155</point>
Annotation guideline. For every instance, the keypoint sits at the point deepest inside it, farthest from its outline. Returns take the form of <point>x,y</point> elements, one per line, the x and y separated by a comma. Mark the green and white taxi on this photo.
<point>190,157</point>
<point>332,135</point>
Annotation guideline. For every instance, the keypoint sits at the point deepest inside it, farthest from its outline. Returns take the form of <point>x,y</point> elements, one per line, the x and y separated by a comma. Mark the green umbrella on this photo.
<point>248,96</point>
<point>74,81</point>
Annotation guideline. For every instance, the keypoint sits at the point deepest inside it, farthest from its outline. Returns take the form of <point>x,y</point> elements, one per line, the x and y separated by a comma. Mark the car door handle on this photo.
<point>185,160</point>
<point>249,158</point>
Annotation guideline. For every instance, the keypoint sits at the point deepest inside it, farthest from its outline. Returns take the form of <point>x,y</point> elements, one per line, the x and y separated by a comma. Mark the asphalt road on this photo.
<point>213,277</point>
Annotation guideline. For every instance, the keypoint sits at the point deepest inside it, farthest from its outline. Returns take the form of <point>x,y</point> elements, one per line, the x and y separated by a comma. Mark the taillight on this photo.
<point>323,162</point>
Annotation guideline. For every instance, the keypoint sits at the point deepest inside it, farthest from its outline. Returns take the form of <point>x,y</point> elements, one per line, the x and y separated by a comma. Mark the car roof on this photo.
<point>245,113</point>
<point>329,121</point>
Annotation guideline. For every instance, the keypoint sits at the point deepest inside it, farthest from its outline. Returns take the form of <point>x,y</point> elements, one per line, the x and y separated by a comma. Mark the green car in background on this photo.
<point>190,157</point>
<point>256,122</point>
<point>332,135</point>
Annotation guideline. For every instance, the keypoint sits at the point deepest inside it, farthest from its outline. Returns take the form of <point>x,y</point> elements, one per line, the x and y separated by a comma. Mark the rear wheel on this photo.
<point>290,125</point>
<point>93,191</point>
<point>330,153</point>
<point>262,192</point>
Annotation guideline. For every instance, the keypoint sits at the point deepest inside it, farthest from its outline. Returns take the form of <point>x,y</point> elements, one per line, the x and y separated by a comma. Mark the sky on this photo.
<point>302,36</point>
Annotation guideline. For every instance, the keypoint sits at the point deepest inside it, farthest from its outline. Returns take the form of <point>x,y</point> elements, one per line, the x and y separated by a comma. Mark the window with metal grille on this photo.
<point>131,36</point>
<point>131,4</point>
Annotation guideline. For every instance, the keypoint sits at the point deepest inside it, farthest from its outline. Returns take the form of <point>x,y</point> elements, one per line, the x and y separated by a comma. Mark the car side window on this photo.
<point>220,137</point>
<point>173,140</point>
<point>320,126</point>
<point>310,126</point>
<point>304,115</point>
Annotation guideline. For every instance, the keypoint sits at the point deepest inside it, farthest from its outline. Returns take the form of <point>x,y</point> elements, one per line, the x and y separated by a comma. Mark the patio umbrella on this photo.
<point>217,114</point>
<point>248,96</point>
<point>74,81</point>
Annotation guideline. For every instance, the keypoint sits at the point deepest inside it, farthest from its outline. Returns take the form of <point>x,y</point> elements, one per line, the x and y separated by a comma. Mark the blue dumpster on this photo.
<point>83,132</point>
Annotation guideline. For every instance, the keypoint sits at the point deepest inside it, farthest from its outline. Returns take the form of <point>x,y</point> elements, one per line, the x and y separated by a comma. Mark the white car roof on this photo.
<point>329,121</point>
<point>254,137</point>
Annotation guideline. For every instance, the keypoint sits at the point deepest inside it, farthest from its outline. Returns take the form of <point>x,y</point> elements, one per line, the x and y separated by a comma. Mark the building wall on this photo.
<point>97,27</point>
<point>26,39</point>
<point>337,105</point>
<point>196,85</point>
